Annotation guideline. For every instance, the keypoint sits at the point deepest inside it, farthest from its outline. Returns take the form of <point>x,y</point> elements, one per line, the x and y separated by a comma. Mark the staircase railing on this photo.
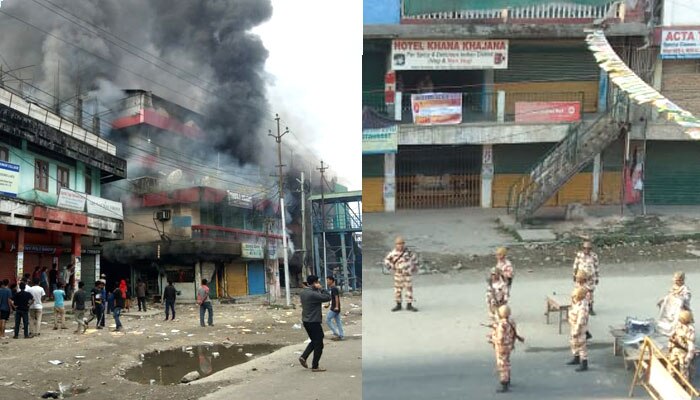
<point>559,165</point>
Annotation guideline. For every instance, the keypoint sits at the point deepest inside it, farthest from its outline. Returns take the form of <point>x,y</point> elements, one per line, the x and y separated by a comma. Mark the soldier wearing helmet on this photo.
<point>578,321</point>
<point>681,343</point>
<point>497,292</point>
<point>503,339</point>
<point>404,264</point>
<point>504,264</point>
<point>679,290</point>
<point>586,260</point>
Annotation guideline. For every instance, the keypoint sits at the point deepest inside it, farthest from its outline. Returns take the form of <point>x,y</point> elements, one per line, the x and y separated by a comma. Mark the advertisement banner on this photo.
<point>239,200</point>
<point>437,108</point>
<point>449,54</point>
<point>380,141</point>
<point>547,111</point>
<point>252,251</point>
<point>104,207</point>
<point>71,200</point>
<point>680,44</point>
<point>9,179</point>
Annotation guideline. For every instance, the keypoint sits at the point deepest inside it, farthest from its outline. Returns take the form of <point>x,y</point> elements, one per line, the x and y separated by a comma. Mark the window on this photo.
<point>63,179</point>
<point>4,154</point>
<point>88,181</point>
<point>41,175</point>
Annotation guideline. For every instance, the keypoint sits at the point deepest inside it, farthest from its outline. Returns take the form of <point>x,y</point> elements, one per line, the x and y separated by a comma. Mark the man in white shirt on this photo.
<point>36,308</point>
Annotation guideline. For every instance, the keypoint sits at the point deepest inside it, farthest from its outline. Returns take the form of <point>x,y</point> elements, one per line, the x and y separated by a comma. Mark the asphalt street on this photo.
<point>441,351</point>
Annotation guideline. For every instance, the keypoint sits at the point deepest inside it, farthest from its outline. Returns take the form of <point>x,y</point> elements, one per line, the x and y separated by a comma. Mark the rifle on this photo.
<point>515,332</point>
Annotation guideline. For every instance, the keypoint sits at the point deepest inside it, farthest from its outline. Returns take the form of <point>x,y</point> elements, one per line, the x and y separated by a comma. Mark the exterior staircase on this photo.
<point>580,145</point>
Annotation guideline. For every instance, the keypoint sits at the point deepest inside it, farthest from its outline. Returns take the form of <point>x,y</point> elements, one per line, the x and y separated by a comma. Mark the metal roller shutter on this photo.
<point>673,172</point>
<point>548,61</point>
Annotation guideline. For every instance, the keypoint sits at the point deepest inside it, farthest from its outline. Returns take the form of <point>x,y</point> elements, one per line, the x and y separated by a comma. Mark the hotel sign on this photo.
<point>449,54</point>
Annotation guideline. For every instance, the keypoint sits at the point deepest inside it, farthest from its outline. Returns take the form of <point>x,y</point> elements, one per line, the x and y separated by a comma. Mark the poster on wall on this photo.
<point>9,179</point>
<point>449,54</point>
<point>680,44</point>
<point>547,111</point>
<point>380,141</point>
<point>437,108</point>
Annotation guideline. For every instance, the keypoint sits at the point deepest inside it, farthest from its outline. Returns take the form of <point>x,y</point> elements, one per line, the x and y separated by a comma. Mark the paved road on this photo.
<point>441,352</point>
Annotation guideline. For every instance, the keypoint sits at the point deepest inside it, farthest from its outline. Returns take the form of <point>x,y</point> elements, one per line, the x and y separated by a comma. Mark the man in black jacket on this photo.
<point>312,298</point>
<point>169,296</point>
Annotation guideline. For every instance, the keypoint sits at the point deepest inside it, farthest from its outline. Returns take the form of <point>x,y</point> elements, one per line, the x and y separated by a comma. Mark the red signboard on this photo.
<point>547,111</point>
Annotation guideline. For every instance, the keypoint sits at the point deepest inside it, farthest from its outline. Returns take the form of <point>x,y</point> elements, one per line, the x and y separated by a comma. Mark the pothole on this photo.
<point>170,366</point>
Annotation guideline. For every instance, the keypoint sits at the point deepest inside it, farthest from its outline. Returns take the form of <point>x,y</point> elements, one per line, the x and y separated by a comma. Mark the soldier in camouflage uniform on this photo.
<point>578,321</point>
<point>503,340</point>
<point>681,344</point>
<point>404,264</point>
<point>504,264</point>
<point>679,290</point>
<point>497,292</point>
<point>586,260</point>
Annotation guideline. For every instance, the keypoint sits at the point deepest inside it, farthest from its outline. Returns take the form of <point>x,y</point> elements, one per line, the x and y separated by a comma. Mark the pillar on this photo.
<point>486,175</point>
<point>20,253</point>
<point>597,174</point>
<point>501,106</point>
<point>389,182</point>
<point>344,262</point>
<point>397,107</point>
<point>602,92</point>
<point>76,259</point>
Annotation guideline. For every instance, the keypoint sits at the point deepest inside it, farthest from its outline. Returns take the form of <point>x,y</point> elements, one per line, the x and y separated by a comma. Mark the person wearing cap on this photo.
<point>679,290</point>
<point>312,298</point>
<point>504,264</point>
<point>404,264</point>
<point>503,340</point>
<point>681,344</point>
<point>586,260</point>
<point>497,292</point>
<point>578,321</point>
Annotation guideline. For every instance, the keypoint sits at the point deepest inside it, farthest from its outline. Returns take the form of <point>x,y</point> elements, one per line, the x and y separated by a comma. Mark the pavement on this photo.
<point>280,376</point>
<point>441,351</point>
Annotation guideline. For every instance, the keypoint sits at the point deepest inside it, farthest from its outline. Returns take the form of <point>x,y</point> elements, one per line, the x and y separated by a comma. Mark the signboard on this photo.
<point>380,141</point>
<point>9,179</point>
<point>547,111</point>
<point>251,250</point>
<point>103,207</point>
<point>272,251</point>
<point>449,54</point>
<point>680,44</point>
<point>239,200</point>
<point>71,200</point>
<point>437,108</point>
<point>20,264</point>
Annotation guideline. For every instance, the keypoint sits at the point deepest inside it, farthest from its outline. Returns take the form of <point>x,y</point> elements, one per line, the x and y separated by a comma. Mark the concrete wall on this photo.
<point>140,228</point>
<point>375,12</point>
<point>482,134</point>
<point>680,12</point>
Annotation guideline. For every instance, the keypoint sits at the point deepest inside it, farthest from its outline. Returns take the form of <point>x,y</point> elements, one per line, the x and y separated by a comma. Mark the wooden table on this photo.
<point>559,303</point>
<point>617,332</point>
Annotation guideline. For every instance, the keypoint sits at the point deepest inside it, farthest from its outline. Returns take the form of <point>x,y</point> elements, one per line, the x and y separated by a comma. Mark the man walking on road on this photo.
<point>98,301</point>
<point>334,312</point>
<point>404,264</point>
<point>78,306</point>
<point>204,304</point>
<point>5,306</point>
<point>20,303</point>
<point>578,320</point>
<point>504,265</point>
<point>587,261</point>
<point>119,302</point>
<point>59,310</point>
<point>141,294</point>
<point>169,296</point>
<point>312,297</point>
<point>503,340</point>
<point>37,309</point>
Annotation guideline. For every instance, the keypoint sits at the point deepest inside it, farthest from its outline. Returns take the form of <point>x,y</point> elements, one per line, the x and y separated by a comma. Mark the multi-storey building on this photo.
<point>51,177</point>
<point>462,100</point>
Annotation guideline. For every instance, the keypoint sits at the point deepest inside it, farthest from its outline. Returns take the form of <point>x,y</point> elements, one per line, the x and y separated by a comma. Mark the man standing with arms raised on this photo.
<point>312,298</point>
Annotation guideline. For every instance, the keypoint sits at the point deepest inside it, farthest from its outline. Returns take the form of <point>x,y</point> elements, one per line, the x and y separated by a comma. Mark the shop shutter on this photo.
<point>548,61</point>
<point>672,172</point>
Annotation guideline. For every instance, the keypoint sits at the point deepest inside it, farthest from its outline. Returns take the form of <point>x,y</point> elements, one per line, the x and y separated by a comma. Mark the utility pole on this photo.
<point>303,224</point>
<point>278,139</point>
<point>323,222</point>
<point>272,297</point>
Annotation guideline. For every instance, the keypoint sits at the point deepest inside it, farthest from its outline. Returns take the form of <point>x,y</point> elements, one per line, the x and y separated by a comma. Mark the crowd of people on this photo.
<point>676,314</point>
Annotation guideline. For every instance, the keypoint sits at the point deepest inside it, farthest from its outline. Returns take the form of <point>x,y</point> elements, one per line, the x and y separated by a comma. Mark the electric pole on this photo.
<point>278,139</point>
<point>303,224</point>
<point>323,223</point>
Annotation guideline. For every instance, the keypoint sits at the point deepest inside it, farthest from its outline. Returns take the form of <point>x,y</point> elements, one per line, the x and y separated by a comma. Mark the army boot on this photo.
<point>588,335</point>
<point>575,361</point>
<point>397,308</point>
<point>583,366</point>
<point>410,307</point>
<point>503,388</point>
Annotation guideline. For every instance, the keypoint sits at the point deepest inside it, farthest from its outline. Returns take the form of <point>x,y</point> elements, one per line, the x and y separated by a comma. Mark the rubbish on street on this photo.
<point>55,362</point>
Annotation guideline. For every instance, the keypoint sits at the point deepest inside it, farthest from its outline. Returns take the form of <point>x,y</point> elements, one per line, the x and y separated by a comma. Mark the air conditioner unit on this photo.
<point>163,215</point>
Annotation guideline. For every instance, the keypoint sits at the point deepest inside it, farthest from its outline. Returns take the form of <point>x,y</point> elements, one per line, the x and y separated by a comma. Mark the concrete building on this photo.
<point>51,176</point>
<point>480,91</point>
<point>187,219</point>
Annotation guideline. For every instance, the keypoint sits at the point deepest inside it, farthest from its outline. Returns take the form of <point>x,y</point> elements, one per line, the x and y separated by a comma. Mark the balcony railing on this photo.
<point>486,106</point>
<point>500,11</point>
<point>218,233</point>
